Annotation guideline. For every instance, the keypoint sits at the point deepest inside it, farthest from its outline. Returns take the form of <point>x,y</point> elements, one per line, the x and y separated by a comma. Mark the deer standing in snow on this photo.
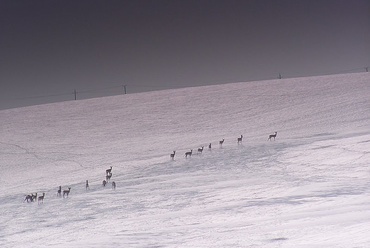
<point>41,198</point>
<point>66,192</point>
<point>272,136</point>
<point>200,150</point>
<point>188,153</point>
<point>221,142</point>
<point>59,193</point>
<point>113,185</point>
<point>240,139</point>
<point>28,198</point>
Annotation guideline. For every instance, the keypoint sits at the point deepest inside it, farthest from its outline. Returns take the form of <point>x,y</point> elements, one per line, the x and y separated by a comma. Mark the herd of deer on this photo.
<point>33,197</point>
<point>108,173</point>
<point>200,150</point>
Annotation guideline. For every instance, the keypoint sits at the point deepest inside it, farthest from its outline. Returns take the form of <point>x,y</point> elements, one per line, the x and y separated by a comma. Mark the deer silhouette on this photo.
<point>66,192</point>
<point>28,198</point>
<point>200,150</point>
<point>41,199</point>
<point>59,193</point>
<point>272,136</point>
<point>188,153</point>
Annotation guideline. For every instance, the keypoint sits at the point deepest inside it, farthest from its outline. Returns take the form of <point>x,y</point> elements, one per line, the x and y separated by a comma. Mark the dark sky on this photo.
<point>48,48</point>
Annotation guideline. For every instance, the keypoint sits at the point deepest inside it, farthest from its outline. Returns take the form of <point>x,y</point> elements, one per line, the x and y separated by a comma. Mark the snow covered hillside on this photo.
<point>308,188</point>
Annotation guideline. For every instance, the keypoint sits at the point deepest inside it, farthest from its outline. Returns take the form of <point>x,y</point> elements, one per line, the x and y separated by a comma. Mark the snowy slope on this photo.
<point>309,188</point>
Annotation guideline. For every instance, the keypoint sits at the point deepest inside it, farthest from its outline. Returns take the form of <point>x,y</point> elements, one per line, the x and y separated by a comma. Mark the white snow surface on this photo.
<point>308,188</point>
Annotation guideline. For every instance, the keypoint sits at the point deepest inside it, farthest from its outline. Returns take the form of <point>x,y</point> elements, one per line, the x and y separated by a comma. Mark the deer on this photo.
<point>108,176</point>
<point>87,185</point>
<point>272,136</point>
<point>200,150</point>
<point>66,192</point>
<point>59,193</point>
<point>188,153</point>
<point>41,198</point>
<point>113,185</point>
<point>221,142</point>
<point>210,146</point>
<point>33,197</point>
<point>108,170</point>
<point>172,155</point>
<point>104,183</point>
<point>28,198</point>
<point>240,139</point>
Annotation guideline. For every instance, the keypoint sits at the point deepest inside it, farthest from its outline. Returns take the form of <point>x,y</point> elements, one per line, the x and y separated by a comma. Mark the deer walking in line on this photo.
<point>59,193</point>
<point>113,185</point>
<point>240,139</point>
<point>188,153</point>
<point>108,170</point>
<point>41,198</point>
<point>272,136</point>
<point>172,155</point>
<point>200,150</point>
<point>210,146</point>
<point>104,183</point>
<point>221,142</point>
<point>66,192</point>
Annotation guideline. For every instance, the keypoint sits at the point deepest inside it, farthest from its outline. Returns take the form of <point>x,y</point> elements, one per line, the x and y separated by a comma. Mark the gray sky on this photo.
<point>48,48</point>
